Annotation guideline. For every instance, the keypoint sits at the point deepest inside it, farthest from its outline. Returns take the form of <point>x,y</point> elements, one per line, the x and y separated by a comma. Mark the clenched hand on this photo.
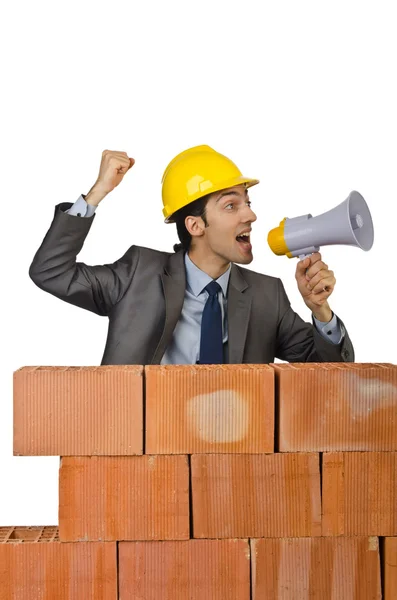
<point>315,283</point>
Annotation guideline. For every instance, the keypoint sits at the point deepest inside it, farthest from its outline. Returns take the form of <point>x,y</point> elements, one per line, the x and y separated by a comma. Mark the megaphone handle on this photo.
<point>303,256</point>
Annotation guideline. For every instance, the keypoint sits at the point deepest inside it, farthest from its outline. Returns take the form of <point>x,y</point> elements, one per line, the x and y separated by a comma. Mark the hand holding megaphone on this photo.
<point>349,224</point>
<point>316,283</point>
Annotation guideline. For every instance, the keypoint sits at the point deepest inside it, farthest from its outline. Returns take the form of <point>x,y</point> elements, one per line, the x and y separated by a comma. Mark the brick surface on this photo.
<point>316,569</point>
<point>209,408</point>
<point>194,569</point>
<point>72,411</point>
<point>33,566</point>
<point>255,495</point>
<point>336,406</point>
<point>124,498</point>
<point>359,493</point>
<point>390,568</point>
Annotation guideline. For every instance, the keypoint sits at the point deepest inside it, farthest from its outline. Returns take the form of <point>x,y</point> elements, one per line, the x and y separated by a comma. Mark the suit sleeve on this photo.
<point>54,268</point>
<point>298,341</point>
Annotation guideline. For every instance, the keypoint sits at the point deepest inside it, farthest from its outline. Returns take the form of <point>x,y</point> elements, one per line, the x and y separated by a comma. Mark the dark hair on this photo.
<point>194,209</point>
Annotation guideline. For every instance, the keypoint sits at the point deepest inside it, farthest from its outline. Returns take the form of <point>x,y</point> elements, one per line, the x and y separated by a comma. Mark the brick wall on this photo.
<point>202,482</point>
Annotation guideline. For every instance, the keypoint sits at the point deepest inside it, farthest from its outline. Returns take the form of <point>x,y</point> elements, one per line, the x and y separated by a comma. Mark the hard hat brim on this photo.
<point>216,188</point>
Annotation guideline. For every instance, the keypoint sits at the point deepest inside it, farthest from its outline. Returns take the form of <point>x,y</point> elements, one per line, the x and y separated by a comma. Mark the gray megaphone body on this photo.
<point>348,224</point>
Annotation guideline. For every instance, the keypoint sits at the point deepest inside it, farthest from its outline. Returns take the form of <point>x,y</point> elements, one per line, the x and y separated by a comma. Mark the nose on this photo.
<point>249,215</point>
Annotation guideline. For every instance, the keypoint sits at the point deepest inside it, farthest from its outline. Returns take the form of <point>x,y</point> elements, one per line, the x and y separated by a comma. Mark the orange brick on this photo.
<point>124,498</point>
<point>336,406</point>
<point>359,493</point>
<point>209,408</point>
<point>390,568</point>
<point>72,411</point>
<point>195,569</point>
<point>34,566</point>
<point>316,569</point>
<point>256,495</point>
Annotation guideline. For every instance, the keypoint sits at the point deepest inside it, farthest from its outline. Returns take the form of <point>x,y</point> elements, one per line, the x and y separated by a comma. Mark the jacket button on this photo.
<point>345,353</point>
<point>79,214</point>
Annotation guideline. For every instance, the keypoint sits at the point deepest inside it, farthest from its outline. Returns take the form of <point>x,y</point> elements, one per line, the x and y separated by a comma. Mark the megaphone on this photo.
<point>349,224</point>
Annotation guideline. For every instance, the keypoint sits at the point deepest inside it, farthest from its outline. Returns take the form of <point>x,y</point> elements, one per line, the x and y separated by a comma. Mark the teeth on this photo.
<point>244,235</point>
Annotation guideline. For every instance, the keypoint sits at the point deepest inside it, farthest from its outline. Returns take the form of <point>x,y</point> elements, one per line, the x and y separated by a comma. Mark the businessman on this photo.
<point>193,305</point>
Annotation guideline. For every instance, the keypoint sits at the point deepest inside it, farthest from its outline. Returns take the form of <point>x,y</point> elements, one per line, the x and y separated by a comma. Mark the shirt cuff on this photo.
<point>81,209</point>
<point>332,331</point>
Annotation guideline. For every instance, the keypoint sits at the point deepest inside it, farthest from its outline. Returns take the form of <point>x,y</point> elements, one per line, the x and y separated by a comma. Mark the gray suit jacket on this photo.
<point>142,294</point>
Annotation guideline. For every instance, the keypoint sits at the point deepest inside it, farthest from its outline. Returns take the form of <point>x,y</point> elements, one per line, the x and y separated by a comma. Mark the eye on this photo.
<point>230,204</point>
<point>248,202</point>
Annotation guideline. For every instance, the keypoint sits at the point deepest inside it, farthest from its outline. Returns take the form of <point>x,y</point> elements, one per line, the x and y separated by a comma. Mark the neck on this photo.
<point>213,265</point>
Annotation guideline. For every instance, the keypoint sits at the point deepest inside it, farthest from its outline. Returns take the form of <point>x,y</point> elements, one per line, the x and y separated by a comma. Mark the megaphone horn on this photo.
<point>349,224</point>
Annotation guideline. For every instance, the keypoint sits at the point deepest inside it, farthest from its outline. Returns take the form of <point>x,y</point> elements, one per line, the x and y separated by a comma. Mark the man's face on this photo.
<point>229,215</point>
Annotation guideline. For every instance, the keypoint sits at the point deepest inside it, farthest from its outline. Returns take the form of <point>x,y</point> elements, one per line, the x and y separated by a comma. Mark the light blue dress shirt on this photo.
<point>185,344</point>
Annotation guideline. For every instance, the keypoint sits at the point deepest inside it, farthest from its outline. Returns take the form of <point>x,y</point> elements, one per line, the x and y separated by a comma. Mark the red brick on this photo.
<point>72,411</point>
<point>33,566</point>
<point>256,495</point>
<point>359,493</point>
<point>195,569</point>
<point>209,408</point>
<point>336,406</point>
<point>390,568</point>
<point>316,569</point>
<point>124,498</point>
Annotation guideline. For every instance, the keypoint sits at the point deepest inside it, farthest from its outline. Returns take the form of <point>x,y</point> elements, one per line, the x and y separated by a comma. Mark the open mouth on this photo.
<point>244,239</point>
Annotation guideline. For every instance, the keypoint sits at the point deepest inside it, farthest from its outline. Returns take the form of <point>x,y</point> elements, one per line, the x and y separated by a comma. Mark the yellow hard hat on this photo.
<point>194,173</point>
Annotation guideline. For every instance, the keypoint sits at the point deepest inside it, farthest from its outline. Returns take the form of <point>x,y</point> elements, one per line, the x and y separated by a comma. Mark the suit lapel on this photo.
<point>174,283</point>
<point>238,310</point>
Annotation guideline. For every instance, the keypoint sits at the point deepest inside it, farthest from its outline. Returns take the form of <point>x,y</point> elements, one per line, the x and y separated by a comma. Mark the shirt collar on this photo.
<point>196,279</point>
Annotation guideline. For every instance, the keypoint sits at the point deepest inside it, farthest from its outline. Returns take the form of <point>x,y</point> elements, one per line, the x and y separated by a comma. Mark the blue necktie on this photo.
<point>211,344</point>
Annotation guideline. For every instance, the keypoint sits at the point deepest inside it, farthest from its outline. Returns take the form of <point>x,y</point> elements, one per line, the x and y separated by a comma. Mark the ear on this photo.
<point>195,226</point>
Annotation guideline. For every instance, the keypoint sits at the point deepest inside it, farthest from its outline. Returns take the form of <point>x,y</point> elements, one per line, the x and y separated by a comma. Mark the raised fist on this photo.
<point>114,165</point>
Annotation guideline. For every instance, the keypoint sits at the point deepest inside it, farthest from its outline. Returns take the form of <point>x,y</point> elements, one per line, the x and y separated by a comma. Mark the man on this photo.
<point>196,304</point>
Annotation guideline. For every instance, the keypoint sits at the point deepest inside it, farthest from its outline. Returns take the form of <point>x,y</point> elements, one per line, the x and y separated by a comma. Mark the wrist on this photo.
<point>323,314</point>
<point>95,196</point>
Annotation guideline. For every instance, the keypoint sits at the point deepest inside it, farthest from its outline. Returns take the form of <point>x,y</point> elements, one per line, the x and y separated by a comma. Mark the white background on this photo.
<point>301,95</point>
